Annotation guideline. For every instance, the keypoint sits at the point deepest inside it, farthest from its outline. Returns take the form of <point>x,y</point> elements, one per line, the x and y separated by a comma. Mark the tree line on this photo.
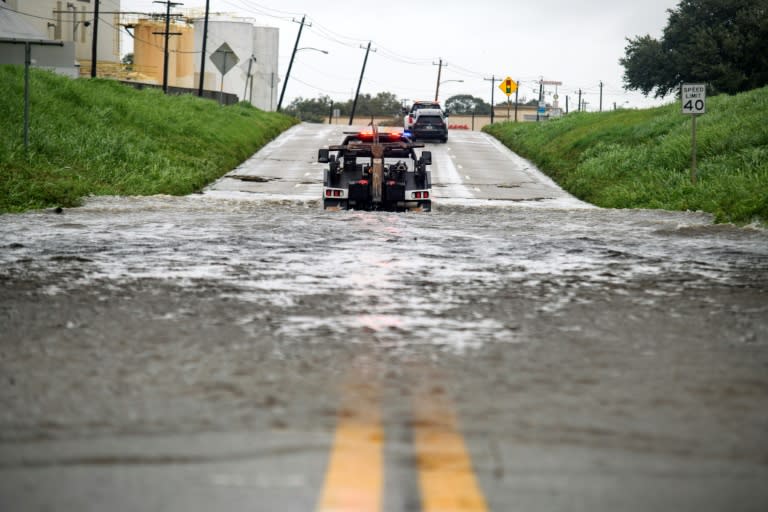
<point>318,110</point>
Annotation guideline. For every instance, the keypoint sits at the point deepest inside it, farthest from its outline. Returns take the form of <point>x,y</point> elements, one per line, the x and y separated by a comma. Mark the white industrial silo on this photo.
<point>247,53</point>
<point>265,79</point>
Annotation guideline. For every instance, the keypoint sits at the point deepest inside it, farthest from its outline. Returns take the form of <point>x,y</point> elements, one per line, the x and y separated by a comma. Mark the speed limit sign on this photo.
<point>694,98</point>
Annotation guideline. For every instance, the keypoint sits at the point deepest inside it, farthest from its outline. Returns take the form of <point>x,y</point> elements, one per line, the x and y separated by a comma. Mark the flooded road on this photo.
<point>515,349</point>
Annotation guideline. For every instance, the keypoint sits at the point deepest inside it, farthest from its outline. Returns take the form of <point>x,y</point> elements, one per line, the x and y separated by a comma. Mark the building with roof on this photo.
<point>70,21</point>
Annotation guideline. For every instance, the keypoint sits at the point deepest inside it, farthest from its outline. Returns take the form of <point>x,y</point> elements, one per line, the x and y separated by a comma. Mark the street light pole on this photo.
<point>295,51</point>
<point>446,81</point>
<point>290,64</point>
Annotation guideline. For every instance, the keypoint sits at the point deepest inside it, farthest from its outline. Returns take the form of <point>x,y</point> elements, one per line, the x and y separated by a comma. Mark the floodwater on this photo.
<point>389,274</point>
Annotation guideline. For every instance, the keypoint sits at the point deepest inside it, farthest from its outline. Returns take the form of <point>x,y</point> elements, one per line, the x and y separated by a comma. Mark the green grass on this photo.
<point>642,158</point>
<point>100,137</point>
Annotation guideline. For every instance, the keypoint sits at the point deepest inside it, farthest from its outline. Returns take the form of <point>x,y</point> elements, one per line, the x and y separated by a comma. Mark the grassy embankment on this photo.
<point>103,138</point>
<point>642,158</point>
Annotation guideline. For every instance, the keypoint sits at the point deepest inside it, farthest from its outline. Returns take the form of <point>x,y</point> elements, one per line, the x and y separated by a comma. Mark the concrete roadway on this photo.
<point>470,166</point>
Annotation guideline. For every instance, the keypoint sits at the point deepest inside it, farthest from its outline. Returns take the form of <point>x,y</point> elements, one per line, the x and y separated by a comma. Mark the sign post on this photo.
<point>694,102</point>
<point>224,58</point>
<point>508,86</point>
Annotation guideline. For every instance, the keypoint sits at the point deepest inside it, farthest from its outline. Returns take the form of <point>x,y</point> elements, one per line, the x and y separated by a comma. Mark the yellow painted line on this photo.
<point>446,478</point>
<point>354,479</point>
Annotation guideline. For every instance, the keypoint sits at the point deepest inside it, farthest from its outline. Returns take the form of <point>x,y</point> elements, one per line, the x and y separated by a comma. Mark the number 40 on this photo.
<point>694,105</point>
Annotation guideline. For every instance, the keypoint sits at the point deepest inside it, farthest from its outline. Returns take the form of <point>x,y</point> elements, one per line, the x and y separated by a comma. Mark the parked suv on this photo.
<point>426,120</point>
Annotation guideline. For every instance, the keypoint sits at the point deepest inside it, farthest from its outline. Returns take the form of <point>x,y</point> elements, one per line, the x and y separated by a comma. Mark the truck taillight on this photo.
<point>410,119</point>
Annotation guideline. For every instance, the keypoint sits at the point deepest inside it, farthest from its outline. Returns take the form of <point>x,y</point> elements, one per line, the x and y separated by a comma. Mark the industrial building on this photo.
<point>68,21</point>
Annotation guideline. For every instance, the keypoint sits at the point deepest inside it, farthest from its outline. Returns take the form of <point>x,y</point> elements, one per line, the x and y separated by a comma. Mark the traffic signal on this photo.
<point>508,85</point>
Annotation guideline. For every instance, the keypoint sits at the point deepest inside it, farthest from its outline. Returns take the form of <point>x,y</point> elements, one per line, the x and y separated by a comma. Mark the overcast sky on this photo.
<point>576,42</point>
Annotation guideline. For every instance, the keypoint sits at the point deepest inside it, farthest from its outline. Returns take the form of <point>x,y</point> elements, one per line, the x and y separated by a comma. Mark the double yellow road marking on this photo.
<point>355,477</point>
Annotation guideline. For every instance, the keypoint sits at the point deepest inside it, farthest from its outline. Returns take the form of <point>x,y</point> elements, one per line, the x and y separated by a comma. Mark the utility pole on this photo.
<point>541,95</point>
<point>205,42</point>
<point>167,34</point>
<point>290,64</point>
<point>517,91</point>
<point>566,104</point>
<point>94,45</point>
<point>579,100</point>
<point>493,88</point>
<point>359,83</point>
<point>601,95</point>
<point>439,71</point>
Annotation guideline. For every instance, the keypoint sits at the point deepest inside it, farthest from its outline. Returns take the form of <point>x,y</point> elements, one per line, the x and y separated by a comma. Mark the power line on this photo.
<point>27,14</point>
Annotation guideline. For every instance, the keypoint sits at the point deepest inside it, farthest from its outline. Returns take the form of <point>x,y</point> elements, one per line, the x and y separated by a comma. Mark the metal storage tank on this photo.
<point>264,91</point>
<point>253,49</point>
<point>149,52</point>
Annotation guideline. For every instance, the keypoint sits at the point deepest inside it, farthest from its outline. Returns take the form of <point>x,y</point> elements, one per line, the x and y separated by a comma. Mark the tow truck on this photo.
<point>377,170</point>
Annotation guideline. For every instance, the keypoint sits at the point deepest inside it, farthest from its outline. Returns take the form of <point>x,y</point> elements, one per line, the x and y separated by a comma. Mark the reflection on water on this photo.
<point>385,274</point>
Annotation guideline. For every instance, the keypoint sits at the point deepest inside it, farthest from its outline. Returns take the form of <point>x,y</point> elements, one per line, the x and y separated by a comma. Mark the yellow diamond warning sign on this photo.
<point>508,86</point>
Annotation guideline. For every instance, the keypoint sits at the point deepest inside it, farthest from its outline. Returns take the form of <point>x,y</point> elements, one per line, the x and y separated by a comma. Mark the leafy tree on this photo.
<point>313,110</point>
<point>127,61</point>
<point>720,42</point>
<point>383,104</point>
<point>464,104</point>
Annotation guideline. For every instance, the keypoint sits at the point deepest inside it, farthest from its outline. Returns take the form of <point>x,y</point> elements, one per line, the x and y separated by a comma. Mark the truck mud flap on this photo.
<point>394,193</point>
<point>359,192</point>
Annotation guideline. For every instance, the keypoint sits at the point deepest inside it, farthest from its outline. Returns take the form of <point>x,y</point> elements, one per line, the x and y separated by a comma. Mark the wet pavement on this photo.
<point>222,350</point>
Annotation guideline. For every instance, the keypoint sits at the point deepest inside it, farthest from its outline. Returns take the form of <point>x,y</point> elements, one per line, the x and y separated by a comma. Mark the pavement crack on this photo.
<point>252,178</point>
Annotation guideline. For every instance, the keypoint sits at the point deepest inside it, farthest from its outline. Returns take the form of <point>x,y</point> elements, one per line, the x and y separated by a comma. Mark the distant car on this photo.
<point>376,170</point>
<point>411,113</point>
<point>426,120</point>
<point>430,125</point>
